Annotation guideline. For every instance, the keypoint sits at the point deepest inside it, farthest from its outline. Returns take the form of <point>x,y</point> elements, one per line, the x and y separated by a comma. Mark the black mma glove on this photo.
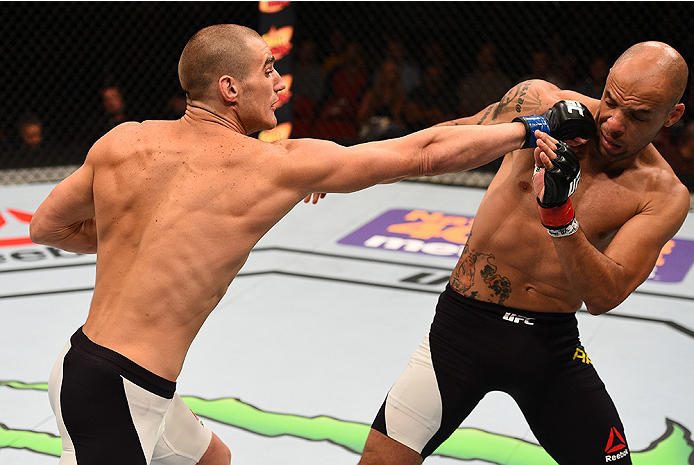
<point>560,181</point>
<point>566,120</point>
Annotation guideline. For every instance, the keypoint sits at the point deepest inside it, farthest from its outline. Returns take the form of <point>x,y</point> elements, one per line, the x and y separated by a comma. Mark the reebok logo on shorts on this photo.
<point>616,447</point>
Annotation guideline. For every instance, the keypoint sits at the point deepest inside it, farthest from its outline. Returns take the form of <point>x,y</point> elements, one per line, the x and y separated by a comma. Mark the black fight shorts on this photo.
<point>475,347</point>
<point>111,411</point>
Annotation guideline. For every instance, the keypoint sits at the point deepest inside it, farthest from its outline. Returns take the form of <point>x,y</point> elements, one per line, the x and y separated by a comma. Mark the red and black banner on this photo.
<point>277,28</point>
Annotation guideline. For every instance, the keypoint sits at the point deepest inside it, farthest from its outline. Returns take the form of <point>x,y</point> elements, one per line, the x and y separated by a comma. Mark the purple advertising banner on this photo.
<point>444,235</point>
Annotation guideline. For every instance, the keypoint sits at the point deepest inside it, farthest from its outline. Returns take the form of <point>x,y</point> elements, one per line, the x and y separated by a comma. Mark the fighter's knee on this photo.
<point>217,453</point>
<point>382,450</point>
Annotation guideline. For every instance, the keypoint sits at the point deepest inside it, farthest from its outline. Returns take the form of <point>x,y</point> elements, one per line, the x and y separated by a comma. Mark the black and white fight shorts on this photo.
<point>475,347</point>
<point>111,411</point>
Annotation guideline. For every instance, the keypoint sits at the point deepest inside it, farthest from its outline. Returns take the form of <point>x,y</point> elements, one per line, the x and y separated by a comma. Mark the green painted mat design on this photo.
<point>673,448</point>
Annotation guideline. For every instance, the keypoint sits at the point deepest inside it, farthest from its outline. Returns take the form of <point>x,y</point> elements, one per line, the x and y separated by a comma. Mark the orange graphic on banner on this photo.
<point>279,41</point>
<point>666,250</point>
<point>272,7</point>
<point>425,225</point>
<point>286,94</point>
<point>280,132</point>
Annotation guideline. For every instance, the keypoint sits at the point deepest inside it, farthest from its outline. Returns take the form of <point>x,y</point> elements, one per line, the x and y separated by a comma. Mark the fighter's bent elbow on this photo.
<point>595,311</point>
<point>604,305</point>
<point>37,233</point>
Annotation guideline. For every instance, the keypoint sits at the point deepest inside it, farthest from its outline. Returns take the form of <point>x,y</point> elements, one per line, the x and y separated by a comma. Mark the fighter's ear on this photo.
<point>675,115</point>
<point>228,88</point>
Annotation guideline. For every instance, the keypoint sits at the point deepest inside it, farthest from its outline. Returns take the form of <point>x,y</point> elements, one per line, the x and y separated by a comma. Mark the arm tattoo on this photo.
<point>520,99</point>
<point>490,108</point>
<point>474,264</point>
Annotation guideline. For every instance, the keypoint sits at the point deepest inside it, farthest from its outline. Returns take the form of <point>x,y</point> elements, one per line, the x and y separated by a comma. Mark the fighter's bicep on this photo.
<point>72,199</point>
<point>323,166</point>
<point>69,203</point>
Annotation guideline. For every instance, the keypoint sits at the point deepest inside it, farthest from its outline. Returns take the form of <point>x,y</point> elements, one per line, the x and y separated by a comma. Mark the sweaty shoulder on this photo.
<point>116,143</point>
<point>304,147</point>
<point>661,177</point>
<point>127,140</point>
<point>664,195</point>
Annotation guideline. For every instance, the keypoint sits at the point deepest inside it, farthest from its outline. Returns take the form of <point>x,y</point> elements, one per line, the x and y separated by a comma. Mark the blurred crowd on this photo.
<point>338,95</point>
<point>342,98</point>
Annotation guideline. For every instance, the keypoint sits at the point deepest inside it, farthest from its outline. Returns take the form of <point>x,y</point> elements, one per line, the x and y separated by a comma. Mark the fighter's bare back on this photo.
<point>166,207</point>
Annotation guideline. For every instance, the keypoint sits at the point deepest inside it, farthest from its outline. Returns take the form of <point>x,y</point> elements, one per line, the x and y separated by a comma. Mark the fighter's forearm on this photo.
<point>66,218</point>
<point>597,279</point>
<point>459,148</point>
<point>424,153</point>
<point>78,238</point>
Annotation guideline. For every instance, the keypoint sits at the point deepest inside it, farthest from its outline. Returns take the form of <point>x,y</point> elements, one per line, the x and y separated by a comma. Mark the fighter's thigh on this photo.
<point>382,450</point>
<point>185,438</point>
<point>576,421</point>
<point>420,411</point>
<point>89,393</point>
<point>55,382</point>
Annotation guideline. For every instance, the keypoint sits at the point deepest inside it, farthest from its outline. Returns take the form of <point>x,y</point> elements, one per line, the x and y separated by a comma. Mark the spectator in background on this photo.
<point>345,85</point>
<point>309,77</point>
<point>680,155</point>
<point>113,110</point>
<point>688,99</point>
<point>338,51</point>
<point>175,106</point>
<point>114,105</point>
<point>337,118</point>
<point>31,149</point>
<point>4,143</point>
<point>429,104</point>
<point>381,111</point>
<point>562,60</point>
<point>410,75</point>
<point>308,88</point>
<point>594,83</point>
<point>434,55</point>
<point>541,68</point>
<point>485,85</point>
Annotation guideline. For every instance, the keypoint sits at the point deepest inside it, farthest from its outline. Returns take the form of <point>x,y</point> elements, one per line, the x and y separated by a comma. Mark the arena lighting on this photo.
<point>277,29</point>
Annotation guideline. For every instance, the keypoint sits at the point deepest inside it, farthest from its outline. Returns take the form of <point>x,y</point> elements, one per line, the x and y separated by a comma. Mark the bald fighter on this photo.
<point>572,225</point>
<point>201,185</point>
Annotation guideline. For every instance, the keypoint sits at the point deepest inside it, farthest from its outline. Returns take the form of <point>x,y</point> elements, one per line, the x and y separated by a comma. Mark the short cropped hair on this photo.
<point>213,52</point>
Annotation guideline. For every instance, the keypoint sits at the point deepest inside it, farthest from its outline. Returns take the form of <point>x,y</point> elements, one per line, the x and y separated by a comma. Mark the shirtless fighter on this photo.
<point>506,321</point>
<point>201,185</point>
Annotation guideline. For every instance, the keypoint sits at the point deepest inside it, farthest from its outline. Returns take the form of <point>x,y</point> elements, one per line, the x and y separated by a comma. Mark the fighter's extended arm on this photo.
<point>604,280</point>
<point>66,218</point>
<point>433,150</point>
<point>322,166</point>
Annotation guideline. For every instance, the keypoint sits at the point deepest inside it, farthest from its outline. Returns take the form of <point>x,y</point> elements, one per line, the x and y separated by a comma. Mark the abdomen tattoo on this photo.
<point>477,276</point>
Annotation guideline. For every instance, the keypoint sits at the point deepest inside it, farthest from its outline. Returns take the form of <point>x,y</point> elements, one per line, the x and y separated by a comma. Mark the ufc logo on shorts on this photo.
<point>573,105</point>
<point>513,318</point>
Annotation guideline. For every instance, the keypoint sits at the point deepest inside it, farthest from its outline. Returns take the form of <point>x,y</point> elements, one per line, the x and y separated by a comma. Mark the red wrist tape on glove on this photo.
<point>556,217</point>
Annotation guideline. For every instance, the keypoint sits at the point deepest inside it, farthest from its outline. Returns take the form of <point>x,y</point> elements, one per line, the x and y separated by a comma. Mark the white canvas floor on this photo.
<point>294,363</point>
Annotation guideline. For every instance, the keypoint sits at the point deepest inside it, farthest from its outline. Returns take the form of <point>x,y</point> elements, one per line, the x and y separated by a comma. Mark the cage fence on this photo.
<point>361,70</point>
